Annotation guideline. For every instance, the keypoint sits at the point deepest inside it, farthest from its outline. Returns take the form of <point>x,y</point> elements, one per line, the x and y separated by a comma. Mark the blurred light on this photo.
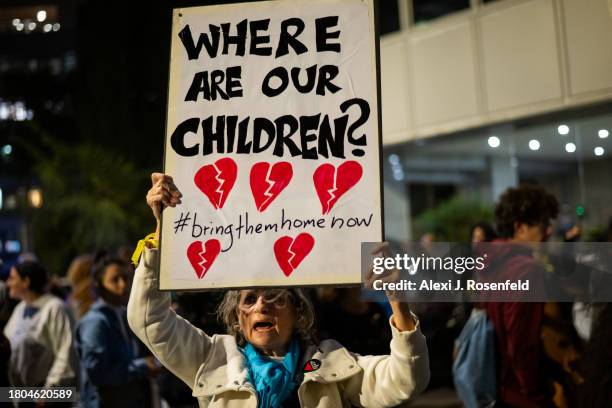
<point>31,26</point>
<point>394,159</point>
<point>580,211</point>
<point>20,112</point>
<point>35,197</point>
<point>599,151</point>
<point>7,150</point>
<point>563,129</point>
<point>19,27</point>
<point>70,62</point>
<point>15,111</point>
<point>10,202</point>
<point>398,174</point>
<point>47,27</point>
<point>494,141</point>
<point>570,147</point>
<point>41,16</point>
<point>0,198</point>
<point>534,144</point>
<point>4,111</point>
<point>16,22</point>
<point>12,246</point>
<point>603,133</point>
<point>56,27</point>
<point>514,162</point>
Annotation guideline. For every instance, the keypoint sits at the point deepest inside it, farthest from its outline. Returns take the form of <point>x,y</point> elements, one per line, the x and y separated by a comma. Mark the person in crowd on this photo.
<point>523,217</point>
<point>40,331</point>
<point>5,357</point>
<point>482,232</point>
<point>79,276</point>
<point>198,308</point>
<point>7,304</point>
<point>269,357</point>
<point>125,252</point>
<point>112,374</point>
<point>596,391</point>
<point>346,310</point>
<point>6,308</point>
<point>572,234</point>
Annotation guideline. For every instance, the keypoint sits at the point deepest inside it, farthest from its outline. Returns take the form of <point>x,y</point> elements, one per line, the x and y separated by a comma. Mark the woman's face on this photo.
<point>478,235</point>
<point>18,286</point>
<point>267,319</point>
<point>115,284</point>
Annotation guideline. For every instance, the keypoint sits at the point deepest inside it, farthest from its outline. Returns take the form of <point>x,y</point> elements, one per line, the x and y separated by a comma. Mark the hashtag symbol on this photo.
<point>182,222</point>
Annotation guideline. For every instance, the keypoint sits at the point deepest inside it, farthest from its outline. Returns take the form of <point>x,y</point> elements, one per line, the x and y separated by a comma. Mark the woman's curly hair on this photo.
<point>528,204</point>
<point>304,312</point>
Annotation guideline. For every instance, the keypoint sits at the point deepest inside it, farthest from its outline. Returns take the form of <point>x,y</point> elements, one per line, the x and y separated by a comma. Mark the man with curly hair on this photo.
<point>523,218</point>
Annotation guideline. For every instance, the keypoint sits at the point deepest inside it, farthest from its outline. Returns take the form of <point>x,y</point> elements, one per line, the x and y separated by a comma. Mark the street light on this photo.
<point>41,16</point>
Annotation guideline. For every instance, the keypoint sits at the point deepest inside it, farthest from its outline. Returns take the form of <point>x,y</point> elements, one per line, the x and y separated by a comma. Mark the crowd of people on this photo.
<point>75,331</point>
<point>75,336</point>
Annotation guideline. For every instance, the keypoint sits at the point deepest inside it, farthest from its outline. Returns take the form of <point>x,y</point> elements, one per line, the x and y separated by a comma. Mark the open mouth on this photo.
<point>262,326</point>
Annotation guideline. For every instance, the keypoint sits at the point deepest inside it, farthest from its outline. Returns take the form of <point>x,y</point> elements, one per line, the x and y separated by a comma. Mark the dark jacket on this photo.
<point>521,382</point>
<point>112,374</point>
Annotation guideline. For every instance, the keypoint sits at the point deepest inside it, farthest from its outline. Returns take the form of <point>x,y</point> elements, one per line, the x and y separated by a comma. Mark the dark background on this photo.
<point>96,93</point>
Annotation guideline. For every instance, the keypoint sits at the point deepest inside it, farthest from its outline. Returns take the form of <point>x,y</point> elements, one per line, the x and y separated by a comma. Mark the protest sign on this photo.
<point>273,139</point>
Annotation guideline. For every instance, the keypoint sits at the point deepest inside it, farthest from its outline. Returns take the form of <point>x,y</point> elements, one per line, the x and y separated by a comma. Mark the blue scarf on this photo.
<point>274,381</point>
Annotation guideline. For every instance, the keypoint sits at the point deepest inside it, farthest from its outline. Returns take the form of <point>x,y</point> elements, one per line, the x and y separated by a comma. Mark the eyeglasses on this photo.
<point>279,298</point>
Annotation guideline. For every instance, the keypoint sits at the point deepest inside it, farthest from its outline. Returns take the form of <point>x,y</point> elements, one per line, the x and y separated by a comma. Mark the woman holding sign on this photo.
<point>269,357</point>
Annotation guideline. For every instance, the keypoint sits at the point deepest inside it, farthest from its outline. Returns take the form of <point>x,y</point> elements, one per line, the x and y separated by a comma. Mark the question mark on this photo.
<point>363,117</point>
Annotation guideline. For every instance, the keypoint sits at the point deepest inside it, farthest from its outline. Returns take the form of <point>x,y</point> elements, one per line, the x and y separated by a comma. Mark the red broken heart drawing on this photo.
<point>331,183</point>
<point>267,182</point>
<point>216,180</point>
<point>202,255</point>
<point>291,252</point>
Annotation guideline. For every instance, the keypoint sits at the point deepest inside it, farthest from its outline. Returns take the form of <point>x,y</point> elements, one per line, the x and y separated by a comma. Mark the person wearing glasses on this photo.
<point>269,356</point>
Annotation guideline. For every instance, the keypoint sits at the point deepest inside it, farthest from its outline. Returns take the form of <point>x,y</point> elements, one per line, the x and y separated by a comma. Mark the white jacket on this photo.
<point>42,348</point>
<point>215,369</point>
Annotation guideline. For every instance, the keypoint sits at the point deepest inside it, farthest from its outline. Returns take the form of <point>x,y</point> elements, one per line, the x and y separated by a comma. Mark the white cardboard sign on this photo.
<point>273,139</point>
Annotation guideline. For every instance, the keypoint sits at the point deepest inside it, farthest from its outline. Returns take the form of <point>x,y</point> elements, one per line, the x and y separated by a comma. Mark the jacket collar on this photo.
<point>102,304</point>
<point>334,364</point>
<point>215,377</point>
<point>41,301</point>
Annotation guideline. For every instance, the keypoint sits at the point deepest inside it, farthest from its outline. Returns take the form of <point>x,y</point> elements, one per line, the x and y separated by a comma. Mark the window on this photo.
<point>426,10</point>
<point>388,16</point>
<point>569,153</point>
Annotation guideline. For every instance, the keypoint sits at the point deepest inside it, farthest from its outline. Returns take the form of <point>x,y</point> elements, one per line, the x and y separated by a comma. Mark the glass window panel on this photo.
<point>426,10</point>
<point>388,16</point>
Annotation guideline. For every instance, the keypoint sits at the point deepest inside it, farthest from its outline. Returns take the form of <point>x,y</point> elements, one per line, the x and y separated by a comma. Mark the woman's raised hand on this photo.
<point>162,194</point>
<point>402,317</point>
